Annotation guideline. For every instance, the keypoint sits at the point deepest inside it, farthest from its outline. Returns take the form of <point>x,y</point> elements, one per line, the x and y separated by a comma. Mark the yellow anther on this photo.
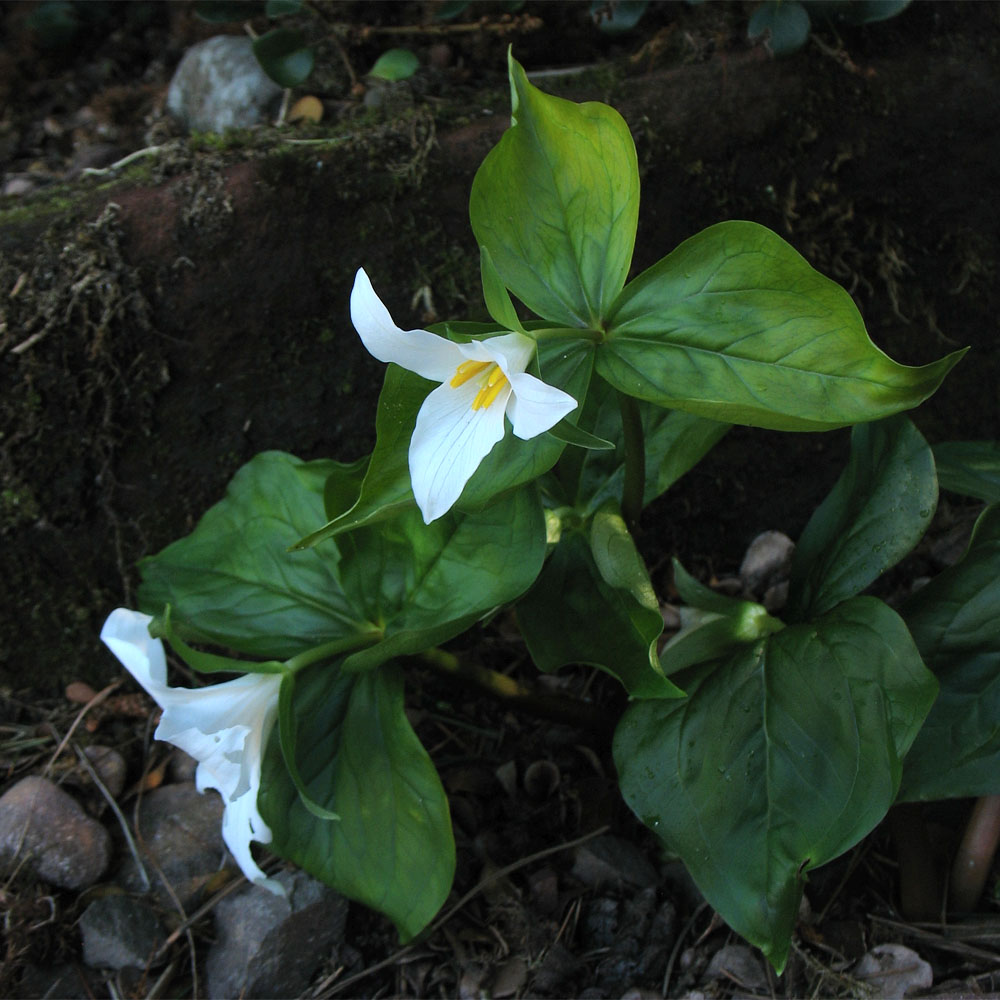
<point>467,370</point>
<point>495,384</point>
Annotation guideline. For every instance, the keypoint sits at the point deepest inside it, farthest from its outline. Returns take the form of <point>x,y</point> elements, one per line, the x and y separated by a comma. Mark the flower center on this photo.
<point>491,381</point>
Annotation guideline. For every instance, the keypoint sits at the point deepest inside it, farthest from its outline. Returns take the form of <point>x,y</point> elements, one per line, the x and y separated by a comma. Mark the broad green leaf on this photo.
<point>385,489</point>
<point>284,56</point>
<point>971,468</point>
<point>233,582</point>
<point>783,756</point>
<point>616,557</point>
<point>876,512</point>
<point>393,848</point>
<point>428,583</point>
<point>498,302</point>
<point>675,442</point>
<point>734,325</point>
<point>571,434</point>
<point>573,615</point>
<point>556,203</point>
<point>785,23</point>
<point>395,64</point>
<point>955,622</point>
<point>343,486</point>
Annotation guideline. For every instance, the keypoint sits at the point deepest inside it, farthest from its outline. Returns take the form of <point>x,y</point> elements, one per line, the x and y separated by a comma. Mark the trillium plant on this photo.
<point>512,463</point>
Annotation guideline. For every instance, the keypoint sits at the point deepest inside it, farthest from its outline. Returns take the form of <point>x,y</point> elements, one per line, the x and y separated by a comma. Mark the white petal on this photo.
<point>126,634</point>
<point>511,352</point>
<point>535,406</point>
<point>418,351</point>
<point>449,441</point>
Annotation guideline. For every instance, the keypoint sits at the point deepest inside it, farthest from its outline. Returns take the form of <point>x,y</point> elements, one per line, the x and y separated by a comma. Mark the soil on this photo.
<point>162,322</point>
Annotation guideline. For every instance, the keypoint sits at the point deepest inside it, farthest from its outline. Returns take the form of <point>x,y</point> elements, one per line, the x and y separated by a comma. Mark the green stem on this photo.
<point>332,648</point>
<point>570,711</point>
<point>635,461</point>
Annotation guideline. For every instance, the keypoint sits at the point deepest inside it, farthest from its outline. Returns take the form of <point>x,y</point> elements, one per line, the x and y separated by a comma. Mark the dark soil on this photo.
<point>161,324</point>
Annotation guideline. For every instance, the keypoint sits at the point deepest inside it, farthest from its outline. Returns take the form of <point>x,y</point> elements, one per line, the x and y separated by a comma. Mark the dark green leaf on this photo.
<point>573,615</point>
<point>393,848</point>
<point>955,621</point>
<point>284,56</point>
<point>232,581</point>
<point>785,22</point>
<point>734,325</point>
<point>571,434</point>
<point>556,203</point>
<point>876,512</point>
<point>616,17</point>
<point>782,756</point>
<point>971,468</point>
<point>282,8</point>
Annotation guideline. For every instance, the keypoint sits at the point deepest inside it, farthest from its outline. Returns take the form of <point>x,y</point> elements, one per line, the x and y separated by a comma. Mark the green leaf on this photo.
<point>393,849</point>
<point>573,615</point>
<point>498,302</point>
<point>385,488</point>
<point>556,204</point>
<point>616,557</point>
<point>232,581</point>
<point>395,64</point>
<point>786,23</point>
<point>571,434</point>
<point>875,514</point>
<point>955,622</point>
<point>619,16</point>
<point>783,756</point>
<point>284,56</point>
<point>282,8</point>
<point>971,468</point>
<point>343,486</point>
<point>428,583</point>
<point>734,325</point>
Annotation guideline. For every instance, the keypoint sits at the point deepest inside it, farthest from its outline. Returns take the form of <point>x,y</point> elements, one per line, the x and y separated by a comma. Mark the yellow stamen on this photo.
<point>467,370</point>
<point>492,388</point>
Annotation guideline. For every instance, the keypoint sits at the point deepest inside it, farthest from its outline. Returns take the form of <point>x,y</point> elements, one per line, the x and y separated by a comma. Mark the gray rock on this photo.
<point>219,85</point>
<point>894,971</point>
<point>766,562</point>
<point>737,963</point>
<point>43,826</point>
<point>120,932</point>
<point>110,767</point>
<point>67,982</point>
<point>270,946</point>
<point>181,831</point>
<point>610,861</point>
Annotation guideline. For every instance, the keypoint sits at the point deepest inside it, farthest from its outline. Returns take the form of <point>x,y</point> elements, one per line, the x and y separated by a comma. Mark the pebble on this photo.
<point>120,932</point>
<point>270,946</point>
<point>110,767</point>
<point>180,830</point>
<point>767,560</point>
<point>736,963</point>
<point>219,85</point>
<point>43,824</point>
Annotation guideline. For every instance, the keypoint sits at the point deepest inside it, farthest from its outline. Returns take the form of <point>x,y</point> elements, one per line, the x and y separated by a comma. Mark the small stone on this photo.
<point>220,85</point>
<point>120,932</point>
<point>18,185</point>
<point>110,767</point>
<point>610,861</point>
<point>894,970</point>
<point>181,831</point>
<point>767,561</point>
<point>737,963</point>
<point>42,824</point>
<point>270,946</point>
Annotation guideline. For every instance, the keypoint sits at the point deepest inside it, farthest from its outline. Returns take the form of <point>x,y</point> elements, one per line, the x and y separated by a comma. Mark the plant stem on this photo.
<point>975,854</point>
<point>332,648</point>
<point>571,711</point>
<point>635,461</point>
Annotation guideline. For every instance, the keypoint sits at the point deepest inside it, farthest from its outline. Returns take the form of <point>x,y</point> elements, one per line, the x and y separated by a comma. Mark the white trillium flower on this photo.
<point>224,727</point>
<point>463,418</point>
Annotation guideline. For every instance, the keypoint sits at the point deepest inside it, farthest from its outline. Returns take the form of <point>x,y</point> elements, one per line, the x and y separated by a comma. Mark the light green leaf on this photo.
<point>428,583</point>
<point>734,325</point>
<point>393,849</point>
<point>233,582</point>
<point>783,755</point>
<point>971,468</point>
<point>616,557</point>
<point>498,302</point>
<point>556,204</point>
<point>955,621</point>
<point>876,512</point>
<point>395,64</point>
<point>572,615</point>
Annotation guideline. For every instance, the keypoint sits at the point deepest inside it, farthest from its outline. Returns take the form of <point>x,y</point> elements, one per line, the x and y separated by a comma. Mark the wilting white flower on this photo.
<point>224,727</point>
<point>463,418</point>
